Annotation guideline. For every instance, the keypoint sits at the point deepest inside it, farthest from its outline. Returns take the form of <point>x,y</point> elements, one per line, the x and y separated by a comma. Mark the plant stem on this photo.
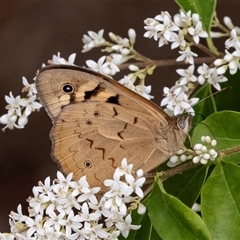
<point>177,170</point>
<point>164,63</point>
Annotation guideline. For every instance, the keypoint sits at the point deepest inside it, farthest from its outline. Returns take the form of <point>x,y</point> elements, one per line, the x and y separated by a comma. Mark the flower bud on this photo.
<point>228,22</point>
<point>132,35</point>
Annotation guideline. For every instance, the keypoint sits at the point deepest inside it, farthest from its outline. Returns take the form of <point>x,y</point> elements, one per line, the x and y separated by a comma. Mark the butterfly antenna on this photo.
<point>208,128</point>
<point>223,89</point>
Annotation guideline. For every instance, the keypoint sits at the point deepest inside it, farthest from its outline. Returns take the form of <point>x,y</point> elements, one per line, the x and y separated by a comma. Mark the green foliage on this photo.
<point>178,220</point>
<point>215,185</point>
<point>221,202</point>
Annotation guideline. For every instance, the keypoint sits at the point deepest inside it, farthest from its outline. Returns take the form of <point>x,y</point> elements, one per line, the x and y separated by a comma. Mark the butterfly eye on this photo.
<point>88,122</point>
<point>181,123</point>
<point>88,164</point>
<point>67,88</point>
<point>96,113</point>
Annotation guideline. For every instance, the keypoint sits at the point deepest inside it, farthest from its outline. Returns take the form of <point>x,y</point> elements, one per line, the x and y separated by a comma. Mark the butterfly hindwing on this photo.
<point>90,138</point>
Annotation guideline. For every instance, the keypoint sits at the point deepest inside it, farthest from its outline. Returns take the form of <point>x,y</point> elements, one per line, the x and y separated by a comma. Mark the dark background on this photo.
<point>30,33</point>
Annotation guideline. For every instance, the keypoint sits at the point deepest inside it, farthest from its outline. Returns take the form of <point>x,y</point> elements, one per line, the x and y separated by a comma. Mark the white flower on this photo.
<point>124,169</point>
<point>197,32</point>
<point>144,91</point>
<point>35,226</point>
<point>86,216</point>
<point>107,68</point>
<point>89,194</point>
<point>37,201</point>
<point>167,27</point>
<point>135,185</point>
<point>56,59</point>
<point>30,88</point>
<point>93,40</point>
<point>19,215</point>
<point>153,27</point>
<point>122,45</point>
<point>183,20</point>
<point>187,75</point>
<point>30,105</point>
<point>181,104</point>
<point>161,27</point>
<point>54,220</point>
<point>13,104</point>
<point>215,79</point>
<point>70,223</point>
<point>233,41</point>
<point>64,182</point>
<point>178,40</point>
<point>8,236</point>
<point>126,226</point>
<point>232,60</point>
<point>187,55</point>
<point>10,122</point>
<point>81,186</point>
<point>205,73</point>
<point>127,82</point>
<point>170,95</point>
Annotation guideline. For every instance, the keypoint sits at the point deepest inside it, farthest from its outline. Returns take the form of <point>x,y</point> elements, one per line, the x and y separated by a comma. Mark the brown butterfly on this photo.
<point>97,122</point>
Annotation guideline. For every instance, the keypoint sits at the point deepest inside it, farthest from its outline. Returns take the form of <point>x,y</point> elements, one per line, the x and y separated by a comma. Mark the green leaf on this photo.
<point>146,232</point>
<point>207,106</point>
<point>187,185</point>
<point>206,10</point>
<point>229,99</point>
<point>220,202</point>
<point>222,127</point>
<point>172,219</point>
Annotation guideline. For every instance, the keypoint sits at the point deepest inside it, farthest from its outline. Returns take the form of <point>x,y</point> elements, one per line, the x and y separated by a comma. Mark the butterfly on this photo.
<point>97,122</point>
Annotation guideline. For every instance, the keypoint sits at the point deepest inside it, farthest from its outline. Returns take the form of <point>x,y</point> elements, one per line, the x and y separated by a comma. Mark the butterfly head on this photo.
<point>184,122</point>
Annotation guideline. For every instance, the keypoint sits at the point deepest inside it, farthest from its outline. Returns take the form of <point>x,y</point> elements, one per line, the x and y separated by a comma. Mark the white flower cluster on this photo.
<point>231,59</point>
<point>57,59</point>
<point>164,30</point>
<point>129,80</point>
<point>202,152</point>
<point>121,50</point>
<point>19,108</point>
<point>183,31</point>
<point>70,209</point>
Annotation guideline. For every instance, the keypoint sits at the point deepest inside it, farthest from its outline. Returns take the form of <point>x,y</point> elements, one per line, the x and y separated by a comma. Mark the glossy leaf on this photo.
<point>220,203</point>
<point>187,185</point>
<point>172,219</point>
<point>206,107</point>
<point>229,99</point>
<point>222,127</point>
